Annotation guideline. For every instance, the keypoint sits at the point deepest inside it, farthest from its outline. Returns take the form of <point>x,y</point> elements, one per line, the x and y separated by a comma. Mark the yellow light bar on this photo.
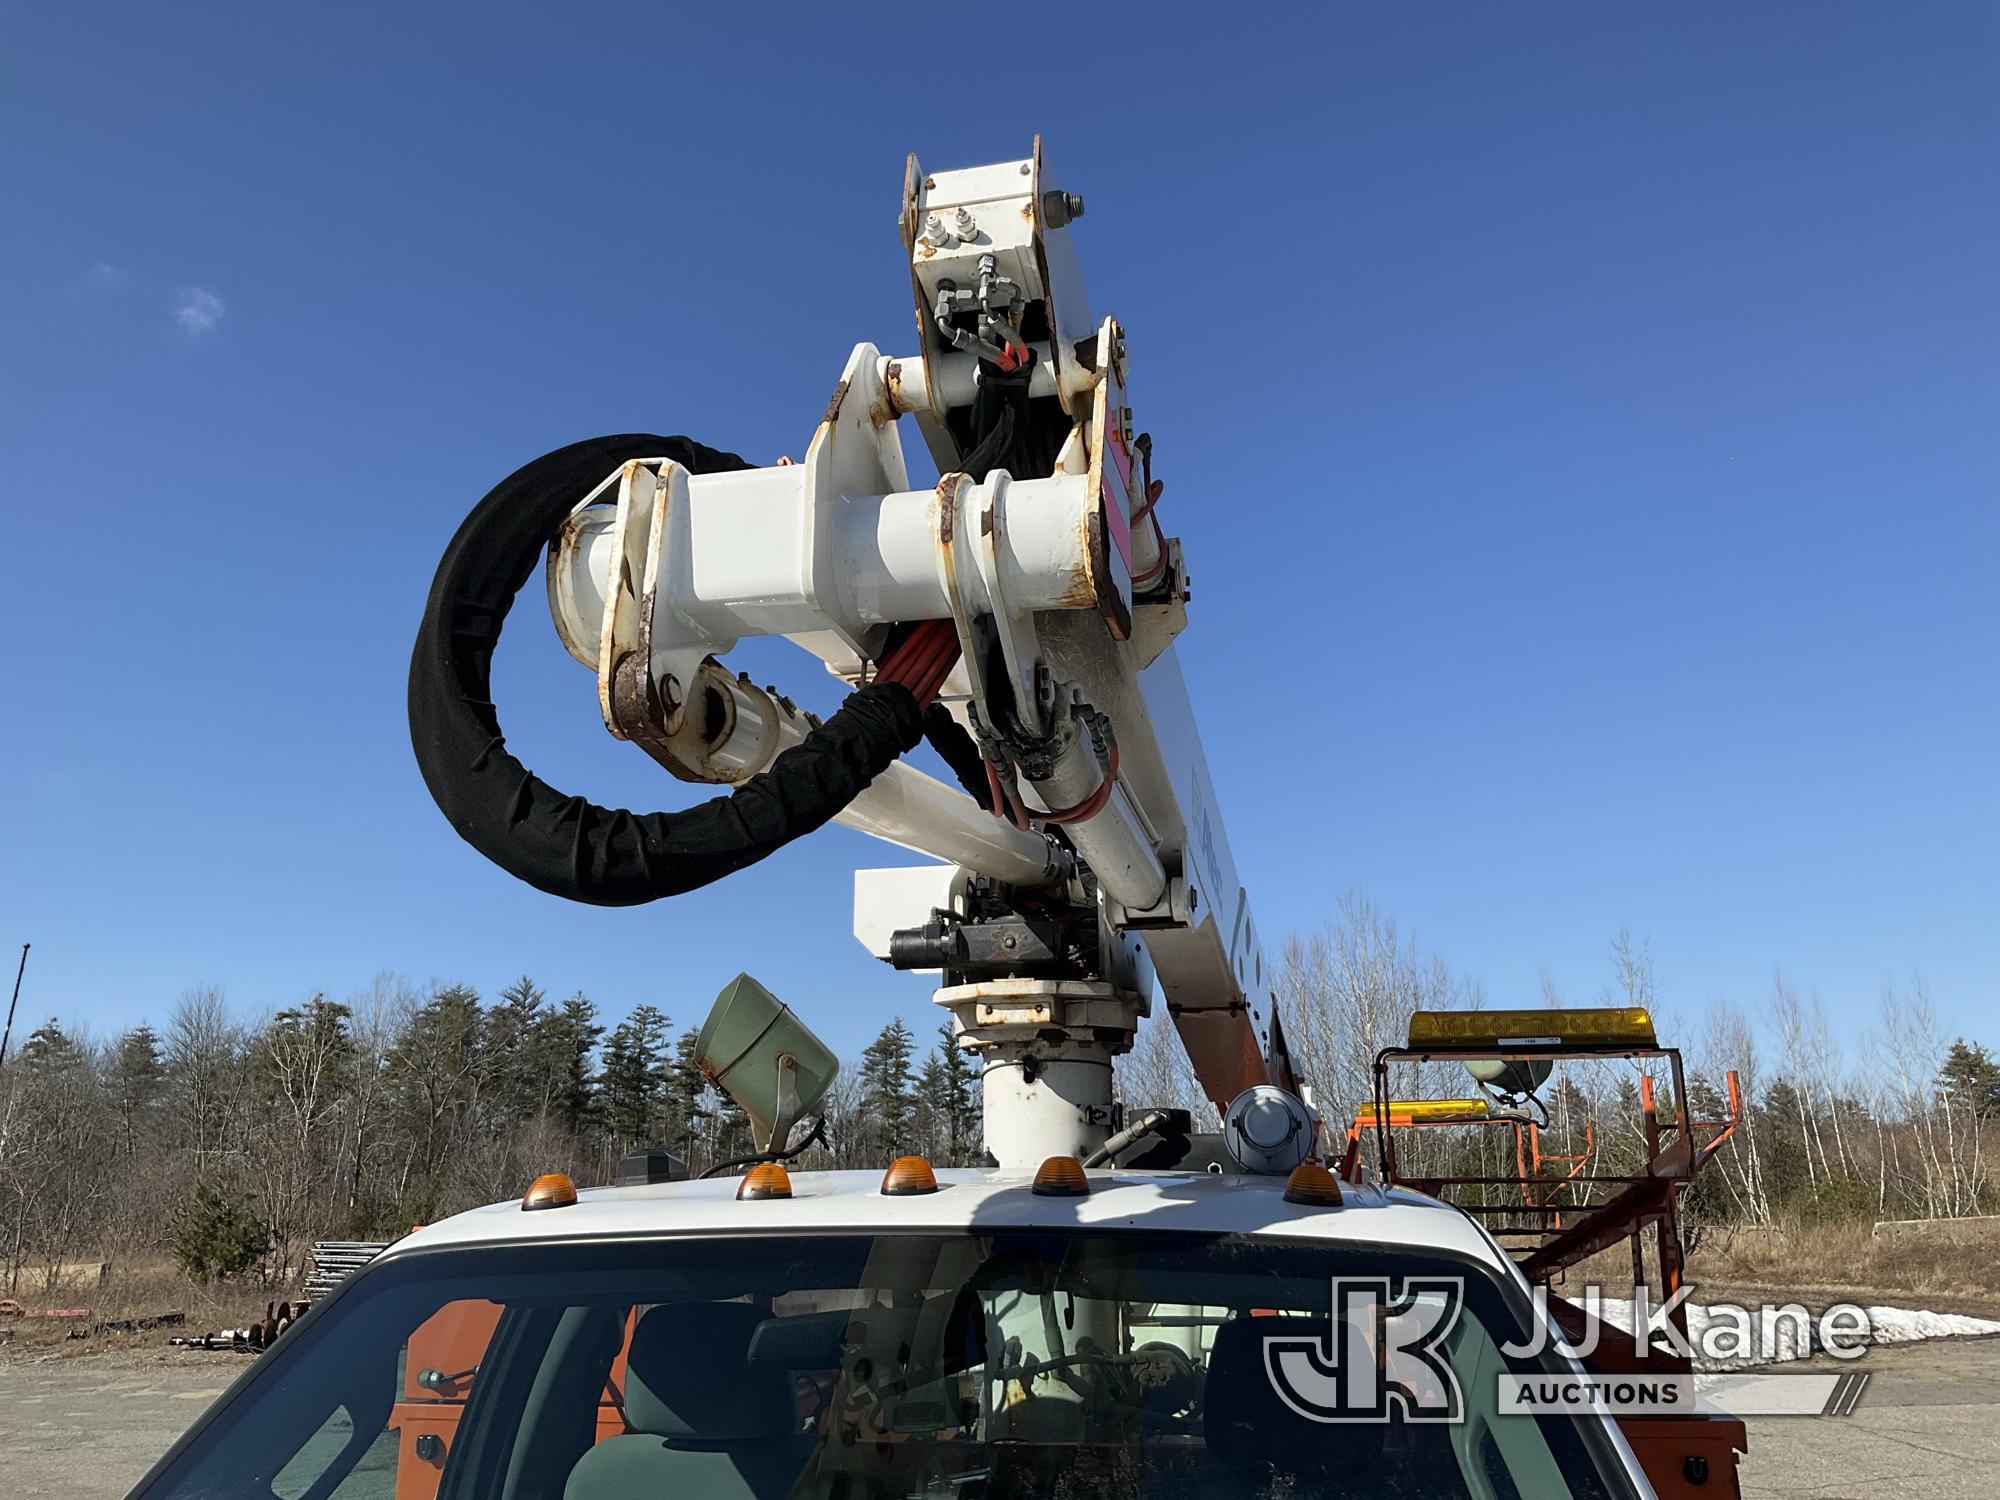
<point>1428,1111</point>
<point>1597,1027</point>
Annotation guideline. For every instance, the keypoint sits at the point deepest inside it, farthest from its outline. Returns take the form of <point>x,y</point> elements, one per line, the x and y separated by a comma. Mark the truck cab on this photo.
<point>964,1333</point>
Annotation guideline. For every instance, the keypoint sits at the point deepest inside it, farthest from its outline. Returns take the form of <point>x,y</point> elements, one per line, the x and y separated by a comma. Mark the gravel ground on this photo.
<point>86,1427</point>
<point>1927,1428</point>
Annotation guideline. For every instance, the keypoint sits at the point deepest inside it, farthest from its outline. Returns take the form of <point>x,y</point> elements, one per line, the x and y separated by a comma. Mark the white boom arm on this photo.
<point>1064,595</point>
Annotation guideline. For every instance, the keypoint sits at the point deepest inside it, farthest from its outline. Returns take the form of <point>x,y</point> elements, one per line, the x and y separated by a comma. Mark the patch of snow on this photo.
<point>1902,1325</point>
<point>1726,1338</point>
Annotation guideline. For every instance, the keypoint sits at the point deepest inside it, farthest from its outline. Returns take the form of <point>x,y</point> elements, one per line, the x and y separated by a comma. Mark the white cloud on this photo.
<point>104,274</point>
<point>197,310</point>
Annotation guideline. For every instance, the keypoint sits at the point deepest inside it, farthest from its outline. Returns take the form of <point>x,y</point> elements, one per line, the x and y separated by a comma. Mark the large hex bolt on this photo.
<point>1058,208</point>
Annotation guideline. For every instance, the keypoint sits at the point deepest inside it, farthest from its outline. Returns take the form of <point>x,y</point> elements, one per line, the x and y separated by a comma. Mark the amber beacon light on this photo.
<point>765,1180</point>
<point>1061,1177</point>
<point>1312,1184</point>
<point>550,1190</point>
<point>908,1177</point>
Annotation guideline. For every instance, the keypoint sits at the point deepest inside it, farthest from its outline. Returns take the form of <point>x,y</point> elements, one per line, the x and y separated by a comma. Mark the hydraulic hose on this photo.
<point>1140,1128</point>
<point>568,845</point>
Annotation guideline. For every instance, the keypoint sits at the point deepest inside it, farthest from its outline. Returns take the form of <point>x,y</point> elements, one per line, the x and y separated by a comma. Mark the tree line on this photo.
<point>234,1144</point>
<point>1884,1121</point>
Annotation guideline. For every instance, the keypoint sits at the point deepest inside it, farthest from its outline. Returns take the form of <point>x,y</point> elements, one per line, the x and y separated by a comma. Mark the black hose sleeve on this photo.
<point>566,845</point>
<point>999,418</point>
<point>958,750</point>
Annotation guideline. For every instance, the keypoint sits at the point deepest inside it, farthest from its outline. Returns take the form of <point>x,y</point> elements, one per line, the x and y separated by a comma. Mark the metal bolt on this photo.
<point>1058,208</point>
<point>935,234</point>
<point>1045,688</point>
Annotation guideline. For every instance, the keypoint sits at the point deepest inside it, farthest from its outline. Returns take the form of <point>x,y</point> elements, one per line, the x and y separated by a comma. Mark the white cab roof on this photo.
<point>852,1202</point>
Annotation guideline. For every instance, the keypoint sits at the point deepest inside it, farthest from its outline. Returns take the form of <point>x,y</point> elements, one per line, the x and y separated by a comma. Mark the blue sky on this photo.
<point>1580,419</point>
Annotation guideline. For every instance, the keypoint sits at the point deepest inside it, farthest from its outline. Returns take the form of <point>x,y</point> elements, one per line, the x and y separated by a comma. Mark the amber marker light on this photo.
<point>1311,1184</point>
<point>765,1180</point>
<point>550,1190</point>
<point>908,1177</point>
<point>1061,1177</point>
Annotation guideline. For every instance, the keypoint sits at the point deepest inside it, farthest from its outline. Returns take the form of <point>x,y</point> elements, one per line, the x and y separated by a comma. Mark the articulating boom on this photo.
<point>1020,616</point>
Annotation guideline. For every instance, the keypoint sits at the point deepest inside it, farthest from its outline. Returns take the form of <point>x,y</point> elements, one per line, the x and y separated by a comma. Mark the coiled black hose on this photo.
<point>568,845</point>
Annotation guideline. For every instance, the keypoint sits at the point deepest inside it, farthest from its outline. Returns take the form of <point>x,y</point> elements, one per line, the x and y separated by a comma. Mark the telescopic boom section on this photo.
<point>1027,603</point>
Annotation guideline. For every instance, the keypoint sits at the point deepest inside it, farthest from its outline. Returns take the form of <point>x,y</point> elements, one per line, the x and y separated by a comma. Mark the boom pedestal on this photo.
<point>1045,1051</point>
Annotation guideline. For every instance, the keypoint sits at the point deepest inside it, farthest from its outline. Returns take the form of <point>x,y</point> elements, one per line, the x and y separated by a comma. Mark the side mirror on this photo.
<point>758,1053</point>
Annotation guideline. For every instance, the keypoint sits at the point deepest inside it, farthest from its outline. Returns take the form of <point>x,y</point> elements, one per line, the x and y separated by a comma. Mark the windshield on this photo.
<point>958,1366</point>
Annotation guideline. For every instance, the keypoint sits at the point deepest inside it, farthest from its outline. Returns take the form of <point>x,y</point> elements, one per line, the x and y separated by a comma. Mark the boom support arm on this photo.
<point>1041,557</point>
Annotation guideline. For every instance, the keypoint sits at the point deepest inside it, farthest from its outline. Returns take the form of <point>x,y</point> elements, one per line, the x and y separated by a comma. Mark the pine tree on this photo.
<point>1787,1166</point>
<point>1707,1199</point>
<point>933,1106</point>
<point>947,1110</point>
<point>1970,1080</point>
<point>564,1042</point>
<point>888,1092</point>
<point>1622,1147</point>
<point>217,1234</point>
<point>49,1049</point>
<point>511,1027</point>
<point>439,1066</point>
<point>686,1108</point>
<point>732,1130</point>
<point>633,1084</point>
<point>138,1083</point>
<point>962,1138</point>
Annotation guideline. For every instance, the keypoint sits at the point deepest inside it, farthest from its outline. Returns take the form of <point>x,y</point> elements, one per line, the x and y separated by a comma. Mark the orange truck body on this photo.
<point>439,1367</point>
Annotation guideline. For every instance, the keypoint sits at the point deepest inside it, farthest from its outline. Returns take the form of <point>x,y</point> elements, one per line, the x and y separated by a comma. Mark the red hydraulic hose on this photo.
<point>923,660</point>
